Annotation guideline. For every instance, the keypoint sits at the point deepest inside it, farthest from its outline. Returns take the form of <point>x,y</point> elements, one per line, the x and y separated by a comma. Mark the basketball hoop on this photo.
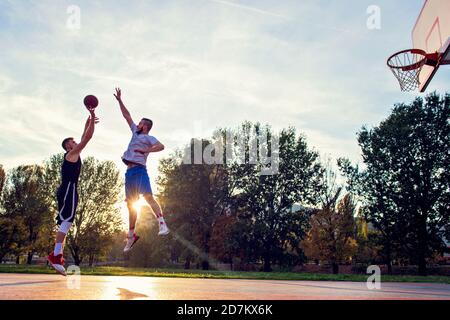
<point>406,66</point>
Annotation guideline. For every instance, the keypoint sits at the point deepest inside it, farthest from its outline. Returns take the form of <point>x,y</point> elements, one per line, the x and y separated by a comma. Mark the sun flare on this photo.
<point>139,204</point>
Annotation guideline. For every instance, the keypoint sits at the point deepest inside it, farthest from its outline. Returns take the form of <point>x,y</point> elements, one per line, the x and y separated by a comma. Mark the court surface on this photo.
<point>44,286</point>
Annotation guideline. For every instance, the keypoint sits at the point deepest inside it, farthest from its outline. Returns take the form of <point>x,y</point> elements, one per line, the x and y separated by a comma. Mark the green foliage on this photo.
<point>405,185</point>
<point>12,236</point>
<point>193,196</point>
<point>24,202</point>
<point>368,242</point>
<point>331,237</point>
<point>267,227</point>
<point>230,210</point>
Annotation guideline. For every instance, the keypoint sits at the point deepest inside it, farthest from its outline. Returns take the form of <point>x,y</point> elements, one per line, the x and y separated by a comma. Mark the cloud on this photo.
<point>193,67</point>
<point>249,8</point>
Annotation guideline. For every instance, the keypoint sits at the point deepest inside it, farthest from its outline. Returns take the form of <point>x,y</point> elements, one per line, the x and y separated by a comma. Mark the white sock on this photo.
<point>130,233</point>
<point>58,249</point>
<point>161,219</point>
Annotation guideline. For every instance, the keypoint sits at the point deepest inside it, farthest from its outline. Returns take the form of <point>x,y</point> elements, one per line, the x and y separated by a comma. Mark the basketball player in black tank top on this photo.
<point>67,194</point>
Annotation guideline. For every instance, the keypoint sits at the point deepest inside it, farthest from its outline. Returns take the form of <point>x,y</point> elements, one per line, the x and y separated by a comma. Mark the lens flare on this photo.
<point>139,204</point>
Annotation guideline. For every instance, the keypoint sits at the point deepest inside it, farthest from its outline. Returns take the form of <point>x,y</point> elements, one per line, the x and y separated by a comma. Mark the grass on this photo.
<point>216,274</point>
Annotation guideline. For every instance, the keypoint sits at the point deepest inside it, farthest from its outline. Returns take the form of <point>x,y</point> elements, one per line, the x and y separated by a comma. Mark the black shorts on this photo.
<point>67,196</point>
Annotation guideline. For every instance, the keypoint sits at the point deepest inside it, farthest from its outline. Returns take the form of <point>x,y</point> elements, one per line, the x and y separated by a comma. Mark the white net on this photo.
<point>406,66</point>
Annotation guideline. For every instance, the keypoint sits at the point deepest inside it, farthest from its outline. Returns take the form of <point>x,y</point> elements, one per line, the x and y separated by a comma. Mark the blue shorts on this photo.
<point>136,182</point>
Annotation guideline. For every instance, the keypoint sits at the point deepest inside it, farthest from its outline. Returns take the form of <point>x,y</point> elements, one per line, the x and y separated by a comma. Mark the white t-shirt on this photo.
<point>138,141</point>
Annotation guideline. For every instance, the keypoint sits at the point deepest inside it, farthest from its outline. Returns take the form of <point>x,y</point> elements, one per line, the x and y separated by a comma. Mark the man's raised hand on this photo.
<point>96,120</point>
<point>118,94</point>
<point>93,118</point>
<point>125,113</point>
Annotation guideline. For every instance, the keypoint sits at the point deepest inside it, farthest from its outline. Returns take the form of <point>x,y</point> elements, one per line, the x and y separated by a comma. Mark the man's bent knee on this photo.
<point>64,227</point>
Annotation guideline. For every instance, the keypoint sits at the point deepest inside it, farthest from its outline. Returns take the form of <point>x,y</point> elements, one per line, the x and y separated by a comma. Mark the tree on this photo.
<point>24,201</point>
<point>331,237</point>
<point>115,253</point>
<point>265,201</point>
<point>405,184</point>
<point>98,217</point>
<point>379,210</point>
<point>369,246</point>
<point>265,227</point>
<point>195,196</point>
<point>12,235</point>
<point>222,243</point>
<point>2,178</point>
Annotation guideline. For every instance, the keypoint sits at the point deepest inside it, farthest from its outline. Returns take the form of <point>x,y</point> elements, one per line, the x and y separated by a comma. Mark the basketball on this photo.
<point>90,101</point>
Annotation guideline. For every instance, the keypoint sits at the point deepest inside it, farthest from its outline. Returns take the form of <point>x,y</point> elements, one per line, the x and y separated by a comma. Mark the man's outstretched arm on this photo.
<point>75,152</point>
<point>86,126</point>
<point>154,148</point>
<point>126,114</point>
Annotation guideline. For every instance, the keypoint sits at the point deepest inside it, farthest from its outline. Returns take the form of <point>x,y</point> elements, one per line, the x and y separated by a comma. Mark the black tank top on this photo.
<point>70,171</point>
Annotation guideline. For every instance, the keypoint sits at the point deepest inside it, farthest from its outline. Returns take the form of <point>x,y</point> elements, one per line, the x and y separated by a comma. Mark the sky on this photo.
<point>195,65</point>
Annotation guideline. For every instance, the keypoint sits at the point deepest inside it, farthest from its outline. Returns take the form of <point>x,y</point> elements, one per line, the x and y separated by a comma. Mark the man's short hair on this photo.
<point>63,144</point>
<point>148,122</point>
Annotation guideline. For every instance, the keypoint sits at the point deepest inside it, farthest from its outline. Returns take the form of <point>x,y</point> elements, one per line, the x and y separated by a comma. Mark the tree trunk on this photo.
<point>91,260</point>
<point>74,250</point>
<point>205,260</point>
<point>422,267</point>
<point>29,257</point>
<point>389,266</point>
<point>267,267</point>
<point>77,259</point>
<point>335,267</point>
<point>205,264</point>
<point>423,246</point>
<point>18,259</point>
<point>187,263</point>
<point>388,258</point>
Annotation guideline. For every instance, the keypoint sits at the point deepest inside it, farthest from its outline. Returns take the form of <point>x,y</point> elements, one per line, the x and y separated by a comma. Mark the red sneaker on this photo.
<point>57,263</point>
